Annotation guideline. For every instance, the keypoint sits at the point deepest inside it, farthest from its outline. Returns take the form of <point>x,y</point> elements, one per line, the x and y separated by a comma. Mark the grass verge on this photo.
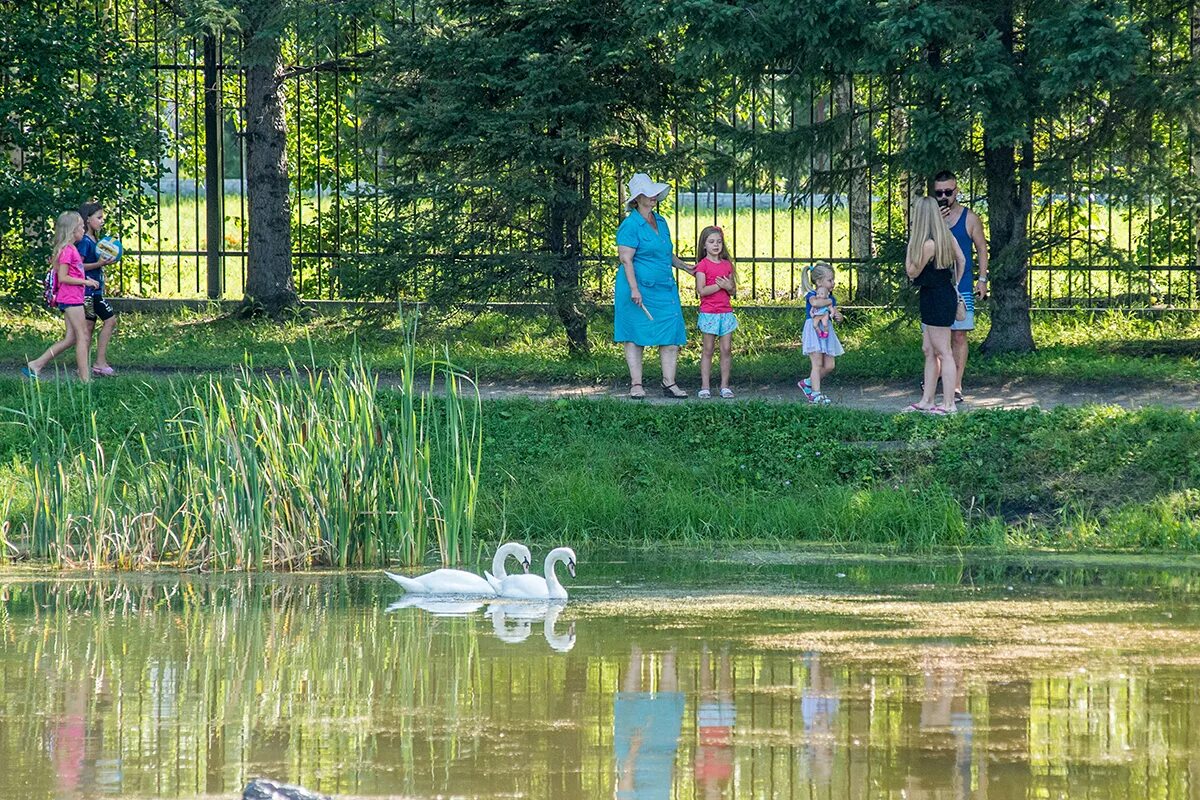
<point>612,472</point>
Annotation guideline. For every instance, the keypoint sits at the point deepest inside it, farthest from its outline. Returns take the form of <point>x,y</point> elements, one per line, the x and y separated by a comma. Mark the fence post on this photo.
<point>214,168</point>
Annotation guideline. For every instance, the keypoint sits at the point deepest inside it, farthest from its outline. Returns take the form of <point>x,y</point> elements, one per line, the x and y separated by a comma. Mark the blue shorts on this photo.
<point>717,324</point>
<point>65,306</point>
<point>967,324</point>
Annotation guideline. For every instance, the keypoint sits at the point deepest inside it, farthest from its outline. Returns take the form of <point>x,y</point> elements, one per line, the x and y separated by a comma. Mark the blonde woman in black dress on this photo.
<point>935,263</point>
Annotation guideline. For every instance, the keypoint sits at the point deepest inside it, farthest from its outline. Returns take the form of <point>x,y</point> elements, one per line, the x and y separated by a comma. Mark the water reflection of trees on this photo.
<point>156,687</point>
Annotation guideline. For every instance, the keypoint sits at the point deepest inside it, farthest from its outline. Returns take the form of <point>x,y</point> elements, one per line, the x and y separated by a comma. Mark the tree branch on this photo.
<point>332,65</point>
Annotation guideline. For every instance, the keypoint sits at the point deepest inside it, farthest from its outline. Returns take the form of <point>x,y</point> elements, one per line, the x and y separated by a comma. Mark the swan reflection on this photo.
<point>512,622</point>
<point>438,606</point>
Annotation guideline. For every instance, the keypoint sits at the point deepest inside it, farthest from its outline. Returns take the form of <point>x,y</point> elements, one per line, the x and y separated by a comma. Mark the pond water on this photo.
<point>755,675</point>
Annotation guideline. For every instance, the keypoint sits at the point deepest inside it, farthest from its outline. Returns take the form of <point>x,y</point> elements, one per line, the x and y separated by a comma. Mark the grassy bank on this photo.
<point>880,346</point>
<point>585,471</point>
<point>250,472</point>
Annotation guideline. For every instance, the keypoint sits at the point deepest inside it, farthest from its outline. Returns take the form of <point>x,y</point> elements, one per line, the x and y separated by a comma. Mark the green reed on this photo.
<point>277,471</point>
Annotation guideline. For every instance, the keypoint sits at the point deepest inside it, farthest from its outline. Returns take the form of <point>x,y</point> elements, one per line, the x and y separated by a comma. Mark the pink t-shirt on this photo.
<point>71,293</point>
<point>718,302</point>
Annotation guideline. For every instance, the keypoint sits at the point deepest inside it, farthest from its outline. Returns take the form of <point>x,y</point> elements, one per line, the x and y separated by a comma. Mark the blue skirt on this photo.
<point>630,323</point>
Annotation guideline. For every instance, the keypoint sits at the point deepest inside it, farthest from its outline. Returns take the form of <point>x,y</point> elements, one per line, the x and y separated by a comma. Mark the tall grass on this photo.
<point>286,471</point>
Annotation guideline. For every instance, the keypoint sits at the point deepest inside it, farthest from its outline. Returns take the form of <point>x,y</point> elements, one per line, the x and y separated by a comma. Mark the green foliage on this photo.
<point>497,116</point>
<point>249,473</point>
<point>602,472</point>
<point>75,127</point>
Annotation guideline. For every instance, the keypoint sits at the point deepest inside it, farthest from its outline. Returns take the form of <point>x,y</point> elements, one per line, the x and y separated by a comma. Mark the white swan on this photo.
<point>536,587</point>
<point>460,582</point>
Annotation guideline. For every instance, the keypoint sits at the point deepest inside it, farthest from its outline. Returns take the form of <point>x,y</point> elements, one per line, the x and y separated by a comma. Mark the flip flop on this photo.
<point>28,373</point>
<point>727,394</point>
<point>633,396</point>
<point>106,372</point>
<point>704,394</point>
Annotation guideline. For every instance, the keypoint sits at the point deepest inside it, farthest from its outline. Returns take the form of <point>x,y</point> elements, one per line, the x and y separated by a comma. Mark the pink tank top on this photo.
<point>717,302</point>
<point>70,294</point>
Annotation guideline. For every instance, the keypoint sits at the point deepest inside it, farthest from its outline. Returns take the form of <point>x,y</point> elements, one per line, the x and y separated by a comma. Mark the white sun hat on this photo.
<point>642,184</point>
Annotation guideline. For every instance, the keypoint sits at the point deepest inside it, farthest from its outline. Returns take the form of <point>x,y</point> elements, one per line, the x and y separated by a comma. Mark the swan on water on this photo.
<point>537,587</point>
<point>462,583</point>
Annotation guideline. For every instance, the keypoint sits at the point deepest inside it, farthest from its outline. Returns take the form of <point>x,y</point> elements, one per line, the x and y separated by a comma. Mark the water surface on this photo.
<point>738,676</point>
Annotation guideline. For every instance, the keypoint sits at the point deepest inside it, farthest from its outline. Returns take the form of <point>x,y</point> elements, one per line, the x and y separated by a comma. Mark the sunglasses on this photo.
<point>944,192</point>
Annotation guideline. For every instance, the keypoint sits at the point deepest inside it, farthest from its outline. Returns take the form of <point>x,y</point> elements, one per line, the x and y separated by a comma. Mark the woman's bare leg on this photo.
<point>669,356</point>
<point>633,358</point>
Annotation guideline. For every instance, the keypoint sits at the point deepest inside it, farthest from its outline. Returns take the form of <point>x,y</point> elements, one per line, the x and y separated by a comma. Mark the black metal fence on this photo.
<point>1091,250</point>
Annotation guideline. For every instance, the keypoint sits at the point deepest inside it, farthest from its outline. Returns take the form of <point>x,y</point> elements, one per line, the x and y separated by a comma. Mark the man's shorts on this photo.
<point>96,307</point>
<point>967,324</point>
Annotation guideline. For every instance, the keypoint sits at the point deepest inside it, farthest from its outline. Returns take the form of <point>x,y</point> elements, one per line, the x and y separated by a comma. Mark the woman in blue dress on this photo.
<point>646,307</point>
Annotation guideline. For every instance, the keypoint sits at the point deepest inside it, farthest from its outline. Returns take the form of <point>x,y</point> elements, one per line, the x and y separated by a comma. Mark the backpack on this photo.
<point>50,287</point>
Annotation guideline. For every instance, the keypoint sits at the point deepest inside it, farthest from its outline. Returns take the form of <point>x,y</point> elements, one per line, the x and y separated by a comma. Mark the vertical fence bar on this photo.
<point>214,172</point>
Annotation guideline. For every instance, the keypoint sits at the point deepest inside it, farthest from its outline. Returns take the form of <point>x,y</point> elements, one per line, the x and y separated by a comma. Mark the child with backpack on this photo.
<point>67,283</point>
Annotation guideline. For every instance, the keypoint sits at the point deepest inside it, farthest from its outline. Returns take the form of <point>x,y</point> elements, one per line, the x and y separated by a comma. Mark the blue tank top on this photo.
<point>966,284</point>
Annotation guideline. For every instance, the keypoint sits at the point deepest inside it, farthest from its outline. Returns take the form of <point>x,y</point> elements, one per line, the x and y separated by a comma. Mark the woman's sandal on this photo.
<point>633,396</point>
<point>674,392</point>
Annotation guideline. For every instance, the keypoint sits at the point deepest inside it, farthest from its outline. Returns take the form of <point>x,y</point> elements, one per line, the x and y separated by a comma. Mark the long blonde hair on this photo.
<point>64,233</point>
<point>927,223</point>
<point>810,275</point>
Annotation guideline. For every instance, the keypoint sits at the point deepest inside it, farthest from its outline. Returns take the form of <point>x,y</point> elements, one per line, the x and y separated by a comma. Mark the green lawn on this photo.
<point>759,241</point>
<point>615,472</point>
<point>495,346</point>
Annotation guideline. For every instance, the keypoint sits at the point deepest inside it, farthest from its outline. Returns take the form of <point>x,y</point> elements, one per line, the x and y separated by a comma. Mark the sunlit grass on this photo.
<point>250,473</point>
<point>769,246</point>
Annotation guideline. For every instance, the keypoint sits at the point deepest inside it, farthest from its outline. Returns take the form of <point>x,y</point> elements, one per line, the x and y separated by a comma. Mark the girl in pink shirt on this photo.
<point>68,229</point>
<point>716,285</point>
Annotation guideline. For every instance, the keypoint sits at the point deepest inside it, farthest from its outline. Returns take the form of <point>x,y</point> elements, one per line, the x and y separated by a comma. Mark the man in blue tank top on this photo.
<point>968,230</point>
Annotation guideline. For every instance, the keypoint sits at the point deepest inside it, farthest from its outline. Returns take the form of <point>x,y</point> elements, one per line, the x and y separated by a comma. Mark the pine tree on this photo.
<point>494,114</point>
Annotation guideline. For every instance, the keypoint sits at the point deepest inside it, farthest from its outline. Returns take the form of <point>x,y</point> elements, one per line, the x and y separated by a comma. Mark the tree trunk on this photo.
<point>566,249</point>
<point>859,185</point>
<point>269,285</point>
<point>568,299</point>
<point>1009,202</point>
<point>1194,137</point>
<point>1010,199</point>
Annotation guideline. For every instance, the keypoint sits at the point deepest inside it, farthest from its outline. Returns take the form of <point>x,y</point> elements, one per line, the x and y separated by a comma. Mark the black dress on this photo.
<point>939,300</point>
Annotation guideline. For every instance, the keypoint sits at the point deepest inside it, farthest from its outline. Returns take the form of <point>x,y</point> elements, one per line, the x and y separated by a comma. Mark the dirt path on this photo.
<point>885,396</point>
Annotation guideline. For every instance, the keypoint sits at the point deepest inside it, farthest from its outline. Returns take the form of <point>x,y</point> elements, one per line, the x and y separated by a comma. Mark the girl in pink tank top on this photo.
<point>716,285</point>
<point>68,229</point>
